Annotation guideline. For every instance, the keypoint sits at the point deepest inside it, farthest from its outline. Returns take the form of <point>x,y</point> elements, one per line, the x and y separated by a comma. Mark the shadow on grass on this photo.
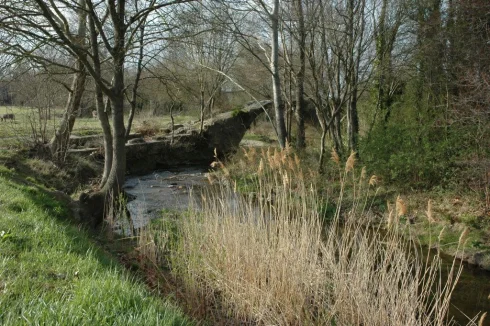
<point>58,206</point>
<point>42,249</point>
<point>34,165</point>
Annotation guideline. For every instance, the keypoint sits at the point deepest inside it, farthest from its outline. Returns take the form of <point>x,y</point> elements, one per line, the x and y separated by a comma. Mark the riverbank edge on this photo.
<point>39,236</point>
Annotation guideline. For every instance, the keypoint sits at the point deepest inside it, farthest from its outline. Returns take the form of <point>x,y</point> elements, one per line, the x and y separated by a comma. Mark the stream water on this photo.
<point>170,189</point>
<point>472,293</point>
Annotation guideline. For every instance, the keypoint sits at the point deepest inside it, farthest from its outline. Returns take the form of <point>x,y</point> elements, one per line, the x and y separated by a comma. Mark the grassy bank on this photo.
<point>52,274</point>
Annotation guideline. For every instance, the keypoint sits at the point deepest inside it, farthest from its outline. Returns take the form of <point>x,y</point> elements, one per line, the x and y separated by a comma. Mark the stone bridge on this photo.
<point>223,133</point>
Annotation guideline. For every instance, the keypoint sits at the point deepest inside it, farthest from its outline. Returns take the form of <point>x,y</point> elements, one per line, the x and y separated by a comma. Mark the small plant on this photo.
<point>147,128</point>
<point>236,112</point>
<point>117,218</point>
<point>4,235</point>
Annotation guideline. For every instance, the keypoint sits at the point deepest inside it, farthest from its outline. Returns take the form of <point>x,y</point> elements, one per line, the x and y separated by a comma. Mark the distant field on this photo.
<point>28,126</point>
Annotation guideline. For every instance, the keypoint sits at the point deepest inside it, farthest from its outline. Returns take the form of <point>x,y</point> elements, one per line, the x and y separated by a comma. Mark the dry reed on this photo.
<point>401,208</point>
<point>482,319</point>
<point>430,217</point>
<point>335,156</point>
<point>373,181</point>
<point>267,259</point>
<point>350,163</point>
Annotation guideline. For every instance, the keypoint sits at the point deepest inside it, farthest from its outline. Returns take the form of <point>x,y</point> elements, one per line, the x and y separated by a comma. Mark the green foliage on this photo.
<point>262,138</point>
<point>246,183</point>
<point>165,230</point>
<point>327,210</point>
<point>236,112</point>
<point>472,220</point>
<point>410,155</point>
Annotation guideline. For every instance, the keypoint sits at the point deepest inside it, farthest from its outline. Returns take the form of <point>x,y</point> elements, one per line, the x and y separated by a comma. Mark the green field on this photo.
<point>28,127</point>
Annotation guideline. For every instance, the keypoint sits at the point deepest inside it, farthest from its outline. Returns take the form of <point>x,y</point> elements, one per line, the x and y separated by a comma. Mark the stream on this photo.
<point>170,189</point>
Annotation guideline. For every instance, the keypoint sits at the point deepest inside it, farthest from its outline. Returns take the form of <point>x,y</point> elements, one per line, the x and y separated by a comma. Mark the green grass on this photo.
<point>52,274</point>
<point>258,137</point>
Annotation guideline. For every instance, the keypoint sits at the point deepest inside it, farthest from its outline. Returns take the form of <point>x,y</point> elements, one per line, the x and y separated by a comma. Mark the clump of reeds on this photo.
<point>259,255</point>
<point>268,259</point>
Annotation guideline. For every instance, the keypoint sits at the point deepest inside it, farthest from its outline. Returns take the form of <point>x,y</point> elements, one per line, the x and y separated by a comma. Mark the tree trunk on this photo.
<point>101,108</point>
<point>202,106</point>
<point>322,151</point>
<point>336,133</point>
<point>320,114</point>
<point>172,123</point>
<point>385,36</point>
<point>60,142</point>
<point>300,102</point>
<point>106,129</point>
<point>115,180</point>
<point>139,70</point>
<point>353,121</point>
<point>276,82</point>
<point>381,68</point>
<point>355,37</point>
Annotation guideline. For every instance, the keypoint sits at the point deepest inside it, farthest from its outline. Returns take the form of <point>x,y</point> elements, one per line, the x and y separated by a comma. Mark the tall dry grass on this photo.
<point>267,259</point>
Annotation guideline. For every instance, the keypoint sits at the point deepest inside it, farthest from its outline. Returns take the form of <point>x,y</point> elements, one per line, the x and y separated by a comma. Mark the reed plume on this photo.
<point>439,238</point>
<point>464,236</point>
<point>335,156</point>
<point>351,161</point>
<point>401,208</point>
<point>363,173</point>
<point>429,212</point>
<point>390,214</point>
<point>373,180</point>
<point>261,167</point>
<point>297,161</point>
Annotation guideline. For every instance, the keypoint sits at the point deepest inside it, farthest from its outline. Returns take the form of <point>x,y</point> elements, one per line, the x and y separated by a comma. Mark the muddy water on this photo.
<point>171,189</point>
<point>471,295</point>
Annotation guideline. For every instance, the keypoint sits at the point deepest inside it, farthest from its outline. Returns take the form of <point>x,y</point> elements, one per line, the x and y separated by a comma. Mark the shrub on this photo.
<point>148,128</point>
<point>409,155</point>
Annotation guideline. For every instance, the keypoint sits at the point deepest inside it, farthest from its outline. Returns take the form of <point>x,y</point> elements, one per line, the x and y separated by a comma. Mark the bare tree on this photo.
<point>274,63</point>
<point>300,74</point>
<point>26,39</point>
<point>268,13</point>
<point>339,56</point>
<point>114,23</point>
<point>60,142</point>
<point>387,26</point>
<point>139,70</point>
<point>210,51</point>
